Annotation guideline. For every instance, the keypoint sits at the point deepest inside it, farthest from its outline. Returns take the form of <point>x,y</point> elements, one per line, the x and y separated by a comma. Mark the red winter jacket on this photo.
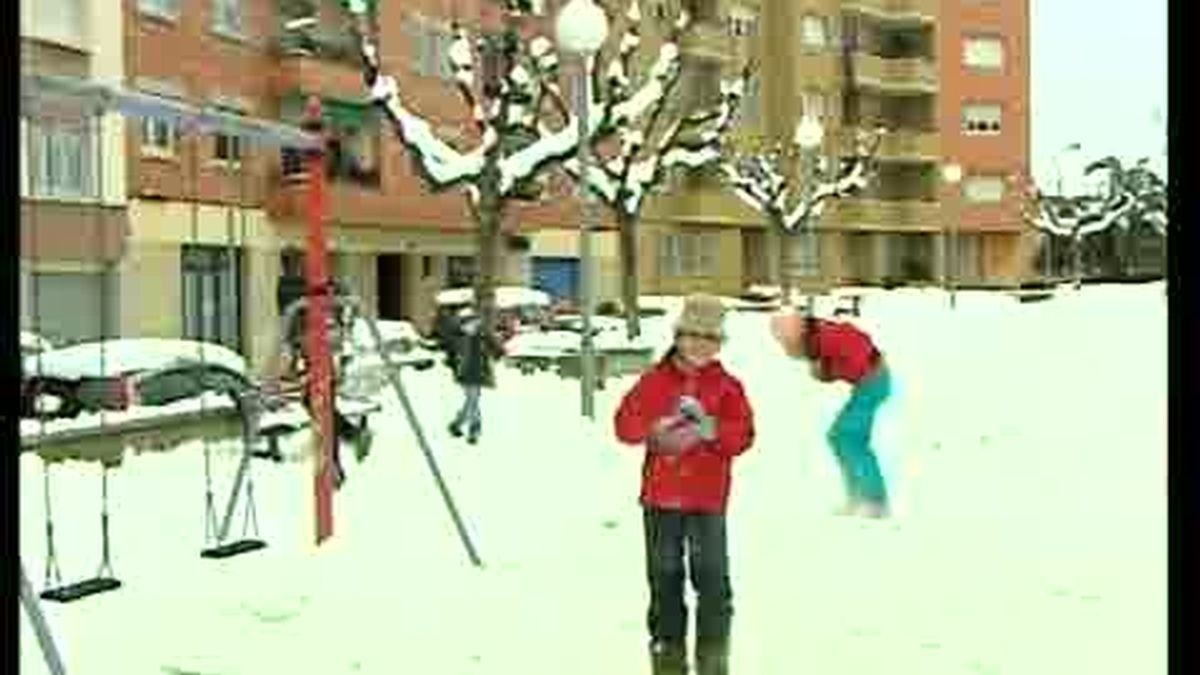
<point>697,479</point>
<point>844,351</point>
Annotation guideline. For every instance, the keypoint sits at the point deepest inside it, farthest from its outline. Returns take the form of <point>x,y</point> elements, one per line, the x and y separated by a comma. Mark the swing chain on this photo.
<point>53,572</point>
<point>106,558</point>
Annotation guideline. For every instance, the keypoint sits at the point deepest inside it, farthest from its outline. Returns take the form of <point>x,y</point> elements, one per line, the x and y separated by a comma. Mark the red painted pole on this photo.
<point>320,365</point>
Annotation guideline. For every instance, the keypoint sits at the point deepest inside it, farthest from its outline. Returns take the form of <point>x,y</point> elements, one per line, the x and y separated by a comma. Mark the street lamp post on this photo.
<point>808,137</point>
<point>581,29</point>
<point>951,173</point>
<point>1059,184</point>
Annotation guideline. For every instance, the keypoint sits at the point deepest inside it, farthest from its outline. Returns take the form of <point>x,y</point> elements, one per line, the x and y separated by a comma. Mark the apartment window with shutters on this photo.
<point>983,189</point>
<point>981,118</point>
<point>62,159</point>
<point>814,31</point>
<point>983,52</point>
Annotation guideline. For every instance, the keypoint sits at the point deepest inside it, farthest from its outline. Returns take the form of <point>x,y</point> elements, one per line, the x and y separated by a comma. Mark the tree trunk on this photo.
<point>783,252</point>
<point>629,275</point>
<point>488,247</point>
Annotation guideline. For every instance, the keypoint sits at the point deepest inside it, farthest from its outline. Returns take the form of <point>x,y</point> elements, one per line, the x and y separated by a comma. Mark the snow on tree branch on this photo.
<point>759,181</point>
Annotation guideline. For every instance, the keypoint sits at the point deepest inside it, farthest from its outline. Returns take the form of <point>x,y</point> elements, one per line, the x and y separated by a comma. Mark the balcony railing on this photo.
<point>914,74</point>
<point>329,45</point>
<point>924,10</point>
<point>899,143</point>
<point>708,39</point>
<point>879,214</point>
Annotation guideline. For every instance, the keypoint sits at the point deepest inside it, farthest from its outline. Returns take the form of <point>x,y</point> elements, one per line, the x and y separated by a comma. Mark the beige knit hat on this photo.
<point>702,314</point>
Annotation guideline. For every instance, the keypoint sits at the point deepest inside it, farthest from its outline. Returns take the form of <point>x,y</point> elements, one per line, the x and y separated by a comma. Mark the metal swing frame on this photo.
<point>91,100</point>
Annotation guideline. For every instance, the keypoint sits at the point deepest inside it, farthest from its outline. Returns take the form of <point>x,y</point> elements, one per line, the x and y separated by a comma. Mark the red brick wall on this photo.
<point>186,52</point>
<point>1007,152</point>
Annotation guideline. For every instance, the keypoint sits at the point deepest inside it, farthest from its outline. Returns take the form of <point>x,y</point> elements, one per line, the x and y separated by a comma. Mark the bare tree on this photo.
<point>650,144</point>
<point>764,181</point>
<point>523,124</point>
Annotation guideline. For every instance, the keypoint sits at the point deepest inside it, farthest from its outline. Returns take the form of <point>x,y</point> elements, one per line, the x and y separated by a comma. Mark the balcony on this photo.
<point>885,215</point>
<point>901,145</point>
<point>908,11</point>
<point>899,75</point>
<point>708,40</point>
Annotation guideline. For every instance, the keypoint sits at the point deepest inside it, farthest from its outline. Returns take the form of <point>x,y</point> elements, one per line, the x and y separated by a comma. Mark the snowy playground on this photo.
<point>1025,447</point>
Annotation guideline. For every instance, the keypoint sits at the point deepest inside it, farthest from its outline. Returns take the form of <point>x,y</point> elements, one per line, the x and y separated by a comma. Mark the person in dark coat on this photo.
<point>474,352</point>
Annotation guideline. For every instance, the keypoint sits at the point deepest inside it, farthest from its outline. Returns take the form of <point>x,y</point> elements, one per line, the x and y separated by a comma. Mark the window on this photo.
<point>701,10</point>
<point>227,16</point>
<point>981,118</point>
<point>813,31</point>
<point>983,189</point>
<point>752,103</point>
<point>228,148</point>
<point>353,154</point>
<point>813,103</point>
<point>804,254</point>
<point>62,159</point>
<point>431,47</point>
<point>168,9</point>
<point>742,23</point>
<point>969,256</point>
<point>59,20</point>
<point>212,310</point>
<point>159,137</point>
<point>689,254</point>
<point>983,52</point>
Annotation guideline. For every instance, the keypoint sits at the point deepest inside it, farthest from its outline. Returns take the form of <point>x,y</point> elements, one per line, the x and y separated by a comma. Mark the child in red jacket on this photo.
<point>693,418</point>
<point>840,351</point>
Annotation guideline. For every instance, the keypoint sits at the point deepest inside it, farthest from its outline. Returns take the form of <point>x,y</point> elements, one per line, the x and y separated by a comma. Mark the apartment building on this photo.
<point>984,111</point>
<point>938,75</point>
<point>72,175</point>
<point>217,226</point>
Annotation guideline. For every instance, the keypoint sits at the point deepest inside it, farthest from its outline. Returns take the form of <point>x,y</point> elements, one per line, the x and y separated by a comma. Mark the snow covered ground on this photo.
<point>1025,447</point>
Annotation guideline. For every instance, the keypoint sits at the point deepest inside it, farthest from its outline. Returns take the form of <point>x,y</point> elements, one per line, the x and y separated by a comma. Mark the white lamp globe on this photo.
<point>809,133</point>
<point>581,27</point>
<point>952,173</point>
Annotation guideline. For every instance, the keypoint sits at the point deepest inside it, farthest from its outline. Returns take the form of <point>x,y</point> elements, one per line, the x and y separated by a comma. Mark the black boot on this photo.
<point>455,431</point>
<point>712,658</point>
<point>668,658</point>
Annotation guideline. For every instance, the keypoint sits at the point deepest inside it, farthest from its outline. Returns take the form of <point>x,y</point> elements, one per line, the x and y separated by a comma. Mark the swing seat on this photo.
<point>230,549</point>
<point>81,589</point>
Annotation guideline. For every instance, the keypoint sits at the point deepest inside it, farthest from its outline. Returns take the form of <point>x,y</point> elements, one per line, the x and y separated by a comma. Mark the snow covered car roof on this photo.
<point>110,357</point>
<point>506,296</point>
<point>32,342</point>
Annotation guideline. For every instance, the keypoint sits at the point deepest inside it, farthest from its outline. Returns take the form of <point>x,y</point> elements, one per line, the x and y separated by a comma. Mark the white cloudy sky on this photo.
<point>1099,70</point>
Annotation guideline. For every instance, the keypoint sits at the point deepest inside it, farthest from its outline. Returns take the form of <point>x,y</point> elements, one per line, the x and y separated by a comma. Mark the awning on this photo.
<point>56,93</point>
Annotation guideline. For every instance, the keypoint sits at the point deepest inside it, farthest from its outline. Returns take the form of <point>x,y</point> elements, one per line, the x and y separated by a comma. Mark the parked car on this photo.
<point>125,373</point>
<point>363,373</point>
<point>518,308</point>
<point>32,343</point>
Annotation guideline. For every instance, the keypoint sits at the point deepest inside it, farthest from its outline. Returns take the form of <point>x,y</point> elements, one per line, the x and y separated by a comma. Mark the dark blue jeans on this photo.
<point>850,438</point>
<point>668,533</point>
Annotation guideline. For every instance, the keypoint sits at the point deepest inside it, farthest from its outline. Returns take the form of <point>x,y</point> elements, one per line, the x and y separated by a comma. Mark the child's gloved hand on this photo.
<point>706,425</point>
<point>672,435</point>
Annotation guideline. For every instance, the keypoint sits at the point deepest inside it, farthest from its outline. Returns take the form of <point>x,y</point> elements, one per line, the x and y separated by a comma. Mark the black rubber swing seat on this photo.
<point>233,548</point>
<point>81,589</point>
